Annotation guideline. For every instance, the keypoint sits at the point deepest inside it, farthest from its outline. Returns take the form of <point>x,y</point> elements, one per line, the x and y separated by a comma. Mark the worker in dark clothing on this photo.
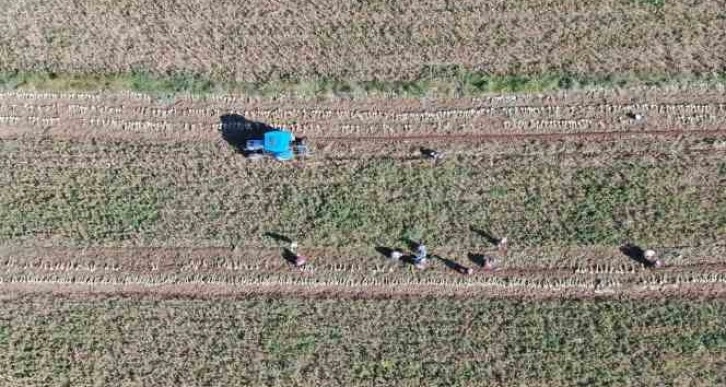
<point>489,263</point>
<point>431,154</point>
<point>298,260</point>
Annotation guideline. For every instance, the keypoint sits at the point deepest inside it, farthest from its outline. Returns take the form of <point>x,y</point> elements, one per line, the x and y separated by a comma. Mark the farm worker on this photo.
<point>503,245</point>
<point>419,260</point>
<point>434,155</point>
<point>396,255</point>
<point>652,257</point>
<point>636,116</point>
<point>300,260</point>
<point>489,263</point>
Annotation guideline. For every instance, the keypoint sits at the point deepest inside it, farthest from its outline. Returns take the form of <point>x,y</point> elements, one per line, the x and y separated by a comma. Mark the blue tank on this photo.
<point>278,143</point>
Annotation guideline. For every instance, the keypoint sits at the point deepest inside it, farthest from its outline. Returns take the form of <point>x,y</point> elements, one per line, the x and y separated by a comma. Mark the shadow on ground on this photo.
<point>453,265</point>
<point>278,237</point>
<point>388,253</point>
<point>486,235</point>
<point>236,130</point>
<point>636,253</point>
<point>477,259</point>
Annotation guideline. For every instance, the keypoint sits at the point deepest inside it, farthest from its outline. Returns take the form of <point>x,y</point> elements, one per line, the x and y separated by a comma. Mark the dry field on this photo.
<point>138,247</point>
<point>259,40</point>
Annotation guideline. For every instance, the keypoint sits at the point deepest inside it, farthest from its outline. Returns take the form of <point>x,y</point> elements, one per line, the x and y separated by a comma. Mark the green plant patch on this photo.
<point>81,204</point>
<point>443,80</point>
<point>536,205</point>
<point>362,203</point>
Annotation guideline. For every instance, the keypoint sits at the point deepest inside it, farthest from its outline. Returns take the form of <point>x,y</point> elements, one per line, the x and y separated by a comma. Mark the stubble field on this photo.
<point>259,41</point>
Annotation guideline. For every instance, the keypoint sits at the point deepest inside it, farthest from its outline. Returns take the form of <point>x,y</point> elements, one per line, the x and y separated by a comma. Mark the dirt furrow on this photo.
<point>213,291</point>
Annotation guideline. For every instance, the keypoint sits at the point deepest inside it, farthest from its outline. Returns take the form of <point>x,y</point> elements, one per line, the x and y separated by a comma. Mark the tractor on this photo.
<point>278,144</point>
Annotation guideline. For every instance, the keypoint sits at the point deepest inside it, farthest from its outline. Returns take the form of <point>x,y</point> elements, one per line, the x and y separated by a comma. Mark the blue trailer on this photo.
<point>280,144</point>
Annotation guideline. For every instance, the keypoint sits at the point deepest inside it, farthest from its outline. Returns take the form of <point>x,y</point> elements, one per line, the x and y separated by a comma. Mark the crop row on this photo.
<point>139,130</point>
<point>680,96</point>
<point>390,282</point>
<point>267,256</point>
<point>130,121</point>
<point>404,111</point>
